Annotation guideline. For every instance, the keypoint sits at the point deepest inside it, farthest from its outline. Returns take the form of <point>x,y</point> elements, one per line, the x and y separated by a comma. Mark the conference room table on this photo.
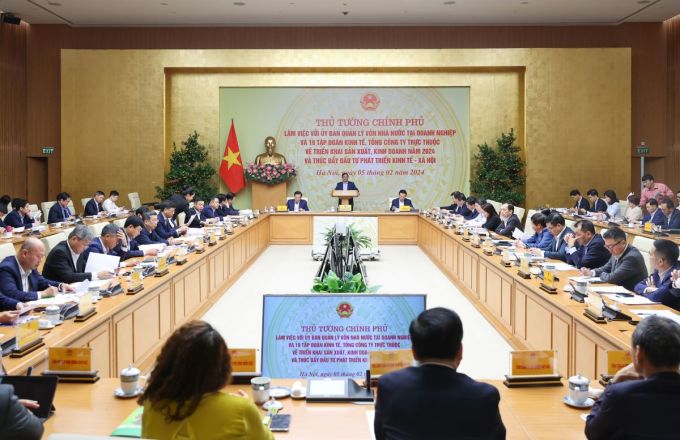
<point>631,231</point>
<point>528,413</point>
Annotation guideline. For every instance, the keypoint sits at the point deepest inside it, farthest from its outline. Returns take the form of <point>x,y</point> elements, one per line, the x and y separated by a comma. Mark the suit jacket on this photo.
<point>462,210</point>
<point>208,212</point>
<point>592,255</point>
<point>664,292</point>
<point>7,303</point>
<point>628,270</point>
<point>599,206</point>
<point>350,187</point>
<point>12,287</point>
<point>558,248</point>
<point>470,213</point>
<point>131,251</point>
<point>59,265</point>
<point>673,220</point>
<point>198,220</point>
<point>181,205</point>
<point>97,247</point>
<point>395,204</point>
<point>228,210</point>
<point>583,204</point>
<point>508,227</point>
<point>164,229</point>
<point>637,409</point>
<point>290,204</point>
<point>492,223</point>
<point>58,214</point>
<point>92,208</point>
<point>16,220</point>
<point>435,402</point>
<point>146,237</point>
<point>16,421</point>
<point>658,218</point>
<point>542,240</point>
<point>451,208</point>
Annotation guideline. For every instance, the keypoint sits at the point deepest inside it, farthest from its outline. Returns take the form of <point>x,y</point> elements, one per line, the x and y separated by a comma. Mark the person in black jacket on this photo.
<point>492,219</point>
<point>181,202</point>
<point>66,262</point>
<point>585,248</point>
<point>581,205</point>
<point>16,421</point>
<point>456,405</point>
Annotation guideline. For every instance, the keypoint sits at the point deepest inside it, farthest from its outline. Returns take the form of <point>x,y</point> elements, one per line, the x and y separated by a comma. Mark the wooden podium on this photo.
<point>344,197</point>
<point>268,195</point>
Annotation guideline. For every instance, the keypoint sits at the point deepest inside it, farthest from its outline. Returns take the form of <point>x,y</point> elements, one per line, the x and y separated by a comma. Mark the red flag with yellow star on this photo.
<point>231,168</point>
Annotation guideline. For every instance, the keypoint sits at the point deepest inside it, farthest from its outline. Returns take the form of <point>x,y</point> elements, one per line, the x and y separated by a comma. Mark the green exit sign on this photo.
<point>47,150</point>
<point>642,150</point>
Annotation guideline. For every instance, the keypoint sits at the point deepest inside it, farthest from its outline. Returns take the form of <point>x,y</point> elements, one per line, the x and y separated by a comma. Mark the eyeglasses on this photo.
<point>612,246</point>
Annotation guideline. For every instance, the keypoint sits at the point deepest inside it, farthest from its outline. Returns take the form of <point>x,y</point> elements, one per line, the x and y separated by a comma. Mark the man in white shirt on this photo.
<point>110,203</point>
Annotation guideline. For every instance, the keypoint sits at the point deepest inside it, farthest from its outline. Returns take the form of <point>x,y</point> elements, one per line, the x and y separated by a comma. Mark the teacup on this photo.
<point>578,389</point>
<point>582,287</point>
<point>261,388</point>
<point>129,380</point>
<point>52,314</point>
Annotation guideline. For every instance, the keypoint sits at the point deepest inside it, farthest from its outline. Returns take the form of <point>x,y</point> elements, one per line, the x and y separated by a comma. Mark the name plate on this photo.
<point>135,279</point>
<point>617,359</point>
<point>344,208</point>
<point>70,359</point>
<point>548,278</point>
<point>648,227</point>
<point>85,305</point>
<point>405,208</point>
<point>532,362</point>
<point>384,361</point>
<point>162,265</point>
<point>27,333</point>
<point>243,360</point>
<point>281,208</point>
<point>524,265</point>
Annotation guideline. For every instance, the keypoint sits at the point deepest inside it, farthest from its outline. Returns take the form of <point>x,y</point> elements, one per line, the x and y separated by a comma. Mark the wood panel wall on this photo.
<point>672,160</point>
<point>647,40</point>
<point>13,109</point>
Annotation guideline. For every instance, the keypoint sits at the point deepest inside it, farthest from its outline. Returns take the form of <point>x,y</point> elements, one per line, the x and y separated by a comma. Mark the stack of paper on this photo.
<point>643,313</point>
<point>635,300</point>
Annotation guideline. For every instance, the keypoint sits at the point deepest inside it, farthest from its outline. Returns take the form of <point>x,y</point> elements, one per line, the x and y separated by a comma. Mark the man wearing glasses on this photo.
<point>626,267</point>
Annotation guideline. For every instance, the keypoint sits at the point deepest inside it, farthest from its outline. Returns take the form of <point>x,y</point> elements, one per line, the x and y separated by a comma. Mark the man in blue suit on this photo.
<point>210,212</point>
<point>228,205</point>
<point>645,408</point>
<point>558,248</point>
<point>658,286</point>
<point>654,214</point>
<point>296,204</point>
<point>400,201</point>
<point>597,205</point>
<point>197,213</point>
<point>105,243</point>
<point>346,185</point>
<point>470,212</point>
<point>581,205</point>
<point>672,215</point>
<point>167,228</point>
<point>148,234</point>
<point>434,400</point>
<point>458,207</point>
<point>94,205</point>
<point>60,212</point>
<point>542,239</point>
<point>585,248</point>
<point>20,280</point>
<point>20,216</point>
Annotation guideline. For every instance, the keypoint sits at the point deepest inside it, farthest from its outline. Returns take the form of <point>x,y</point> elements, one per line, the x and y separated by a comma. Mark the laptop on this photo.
<point>39,388</point>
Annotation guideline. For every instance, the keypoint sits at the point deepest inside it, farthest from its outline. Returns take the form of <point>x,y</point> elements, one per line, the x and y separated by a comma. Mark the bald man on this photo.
<point>20,280</point>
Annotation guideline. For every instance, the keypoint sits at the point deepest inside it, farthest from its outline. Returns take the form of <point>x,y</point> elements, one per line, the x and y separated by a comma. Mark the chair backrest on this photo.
<point>602,231</point>
<point>527,222</point>
<point>52,240</point>
<point>67,231</point>
<point>72,207</point>
<point>85,200</point>
<point>135,201</point>
<point>623,207</point>
<point>648,261</point>
<point>496,205</point>
<point>45,206</point>
<point>120,222</point>
<point>6,250</point>
<point>569,223</point>
<point>181,218</point>
<point>33,207</point>
<point>96,228</point>
<point>643,244</point>
<point>519,212</point>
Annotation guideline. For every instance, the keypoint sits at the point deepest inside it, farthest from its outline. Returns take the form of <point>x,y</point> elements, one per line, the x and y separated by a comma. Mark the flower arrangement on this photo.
<point>270,174</point>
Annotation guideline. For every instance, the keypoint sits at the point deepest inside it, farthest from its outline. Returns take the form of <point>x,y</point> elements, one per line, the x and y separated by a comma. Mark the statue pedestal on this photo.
<point>268,195</point>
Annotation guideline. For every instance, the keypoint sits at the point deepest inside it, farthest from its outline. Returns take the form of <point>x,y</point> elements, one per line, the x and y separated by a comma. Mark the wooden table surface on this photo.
<point>528,413</point>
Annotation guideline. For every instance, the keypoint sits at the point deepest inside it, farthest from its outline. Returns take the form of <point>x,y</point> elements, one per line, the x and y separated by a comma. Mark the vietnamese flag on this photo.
<point>231,168</point>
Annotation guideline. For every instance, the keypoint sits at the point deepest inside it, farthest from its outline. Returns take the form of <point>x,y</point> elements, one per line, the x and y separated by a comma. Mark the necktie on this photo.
<point>67,213</point>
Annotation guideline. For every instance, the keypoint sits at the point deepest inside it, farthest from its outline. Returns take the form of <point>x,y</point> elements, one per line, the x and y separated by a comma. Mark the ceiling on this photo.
<point>338,12</point>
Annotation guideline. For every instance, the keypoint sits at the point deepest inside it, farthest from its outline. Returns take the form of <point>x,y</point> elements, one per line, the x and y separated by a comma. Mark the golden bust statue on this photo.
<point>270,157</point>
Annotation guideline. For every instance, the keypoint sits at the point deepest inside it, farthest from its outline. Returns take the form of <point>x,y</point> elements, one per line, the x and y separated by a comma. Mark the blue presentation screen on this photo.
<point>322,335</point>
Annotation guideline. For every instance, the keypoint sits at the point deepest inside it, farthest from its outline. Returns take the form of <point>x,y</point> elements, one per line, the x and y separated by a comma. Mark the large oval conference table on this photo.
<point>130,329</point>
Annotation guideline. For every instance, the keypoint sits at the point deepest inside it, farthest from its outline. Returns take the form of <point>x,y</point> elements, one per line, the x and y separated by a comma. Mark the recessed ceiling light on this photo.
<point>644,2</point>
<point>164,4</point>
<point>524,3</point>
<point>449,3</point>
<point>239,4</point>
<point>53,3</point>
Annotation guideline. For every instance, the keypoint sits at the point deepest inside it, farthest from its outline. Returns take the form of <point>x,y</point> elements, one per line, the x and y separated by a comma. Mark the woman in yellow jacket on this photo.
<point>183,398</point>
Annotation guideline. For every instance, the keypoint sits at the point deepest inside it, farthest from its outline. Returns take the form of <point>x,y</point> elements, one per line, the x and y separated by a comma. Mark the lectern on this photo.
<point>344,197</point>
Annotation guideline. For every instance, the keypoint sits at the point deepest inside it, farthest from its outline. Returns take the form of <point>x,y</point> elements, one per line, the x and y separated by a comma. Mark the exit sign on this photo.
<point>47,150</point>
<point>642,150</point>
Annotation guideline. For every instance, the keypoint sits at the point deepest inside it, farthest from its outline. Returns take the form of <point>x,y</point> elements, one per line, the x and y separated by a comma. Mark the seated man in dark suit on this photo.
<point>197,213</point>
<point>65,262</point>
<point>645,408</point>
<point>105,243</point>
<point>167,227</point>
<point>20,280</point>
<point>672,215</point>
<point>585,248</point>
<point>658,286</point>
<point>542,239</point>
<point>148,234</point>
<point>346,185</point>
<point>581,205</point>
<point>558,229</point>
<point>459,207</point>
<point>654,214</point>
<point>509,221</point>
<point>60,212</point>
<point>128,247</point>
<point>94,206</point>
<point>21,214</point>
<point>597,205</point>
<point>400,201</point>
<point>296,204</point>
<point>228,204</point>
<point>221,209</point>
<point>471,209</point>
<point>211,212</point>
<point>626,267</point>
<point>181,201</point>
<point>457,406</point>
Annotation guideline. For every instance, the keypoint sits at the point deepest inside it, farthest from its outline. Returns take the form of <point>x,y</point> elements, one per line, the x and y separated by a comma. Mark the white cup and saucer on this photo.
<point>129,383</point>
<point>45,324</point>
<point>579,387</point>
